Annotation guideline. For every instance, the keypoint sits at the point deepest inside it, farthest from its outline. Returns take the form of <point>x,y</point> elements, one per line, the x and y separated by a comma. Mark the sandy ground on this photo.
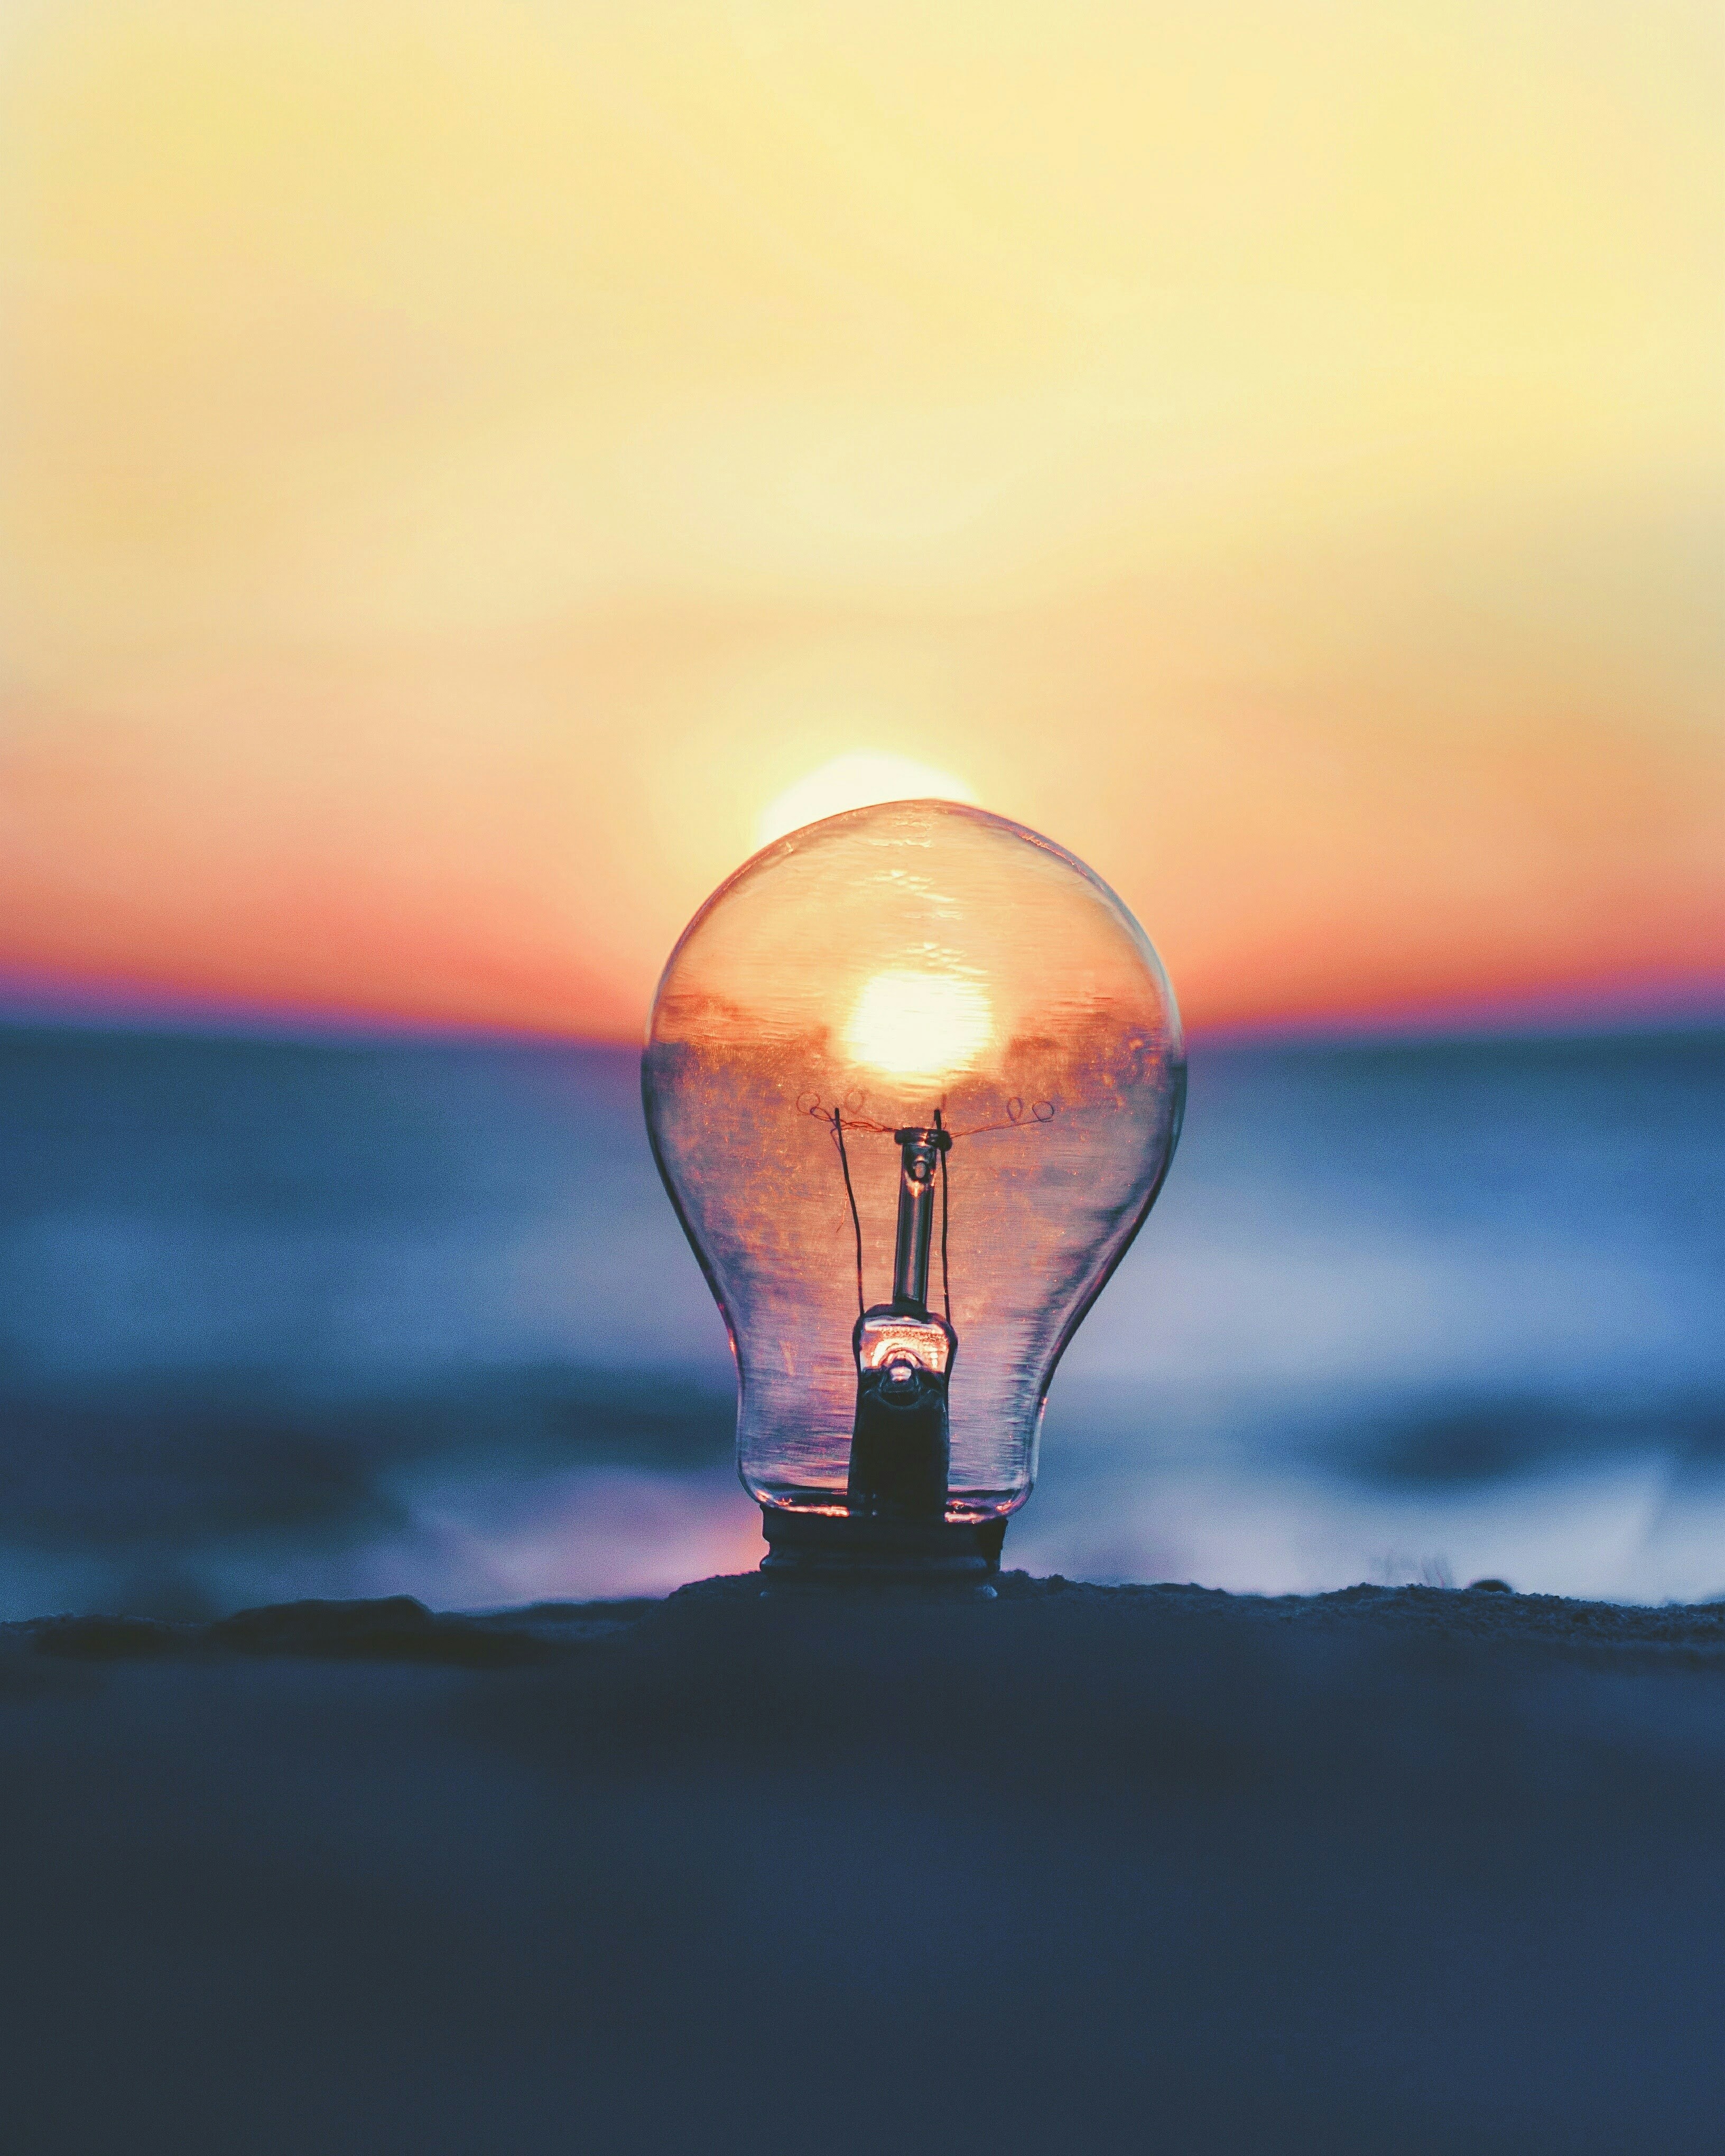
<point>1085,1869</point>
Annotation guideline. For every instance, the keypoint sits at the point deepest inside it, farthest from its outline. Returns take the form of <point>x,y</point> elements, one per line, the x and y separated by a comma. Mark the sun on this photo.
<point>919,1026</point>
<point>857,780</point>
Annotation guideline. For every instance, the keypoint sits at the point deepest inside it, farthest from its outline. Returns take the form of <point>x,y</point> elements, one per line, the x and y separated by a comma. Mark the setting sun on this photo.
<point>859,780</point>
<point>919,1025</point>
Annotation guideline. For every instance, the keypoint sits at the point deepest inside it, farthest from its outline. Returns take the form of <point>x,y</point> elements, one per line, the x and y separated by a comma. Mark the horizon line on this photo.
<point>1620,1008</point>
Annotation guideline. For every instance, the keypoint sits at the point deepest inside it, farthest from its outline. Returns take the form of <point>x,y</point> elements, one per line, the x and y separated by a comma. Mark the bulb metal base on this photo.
<point>823,1551</point>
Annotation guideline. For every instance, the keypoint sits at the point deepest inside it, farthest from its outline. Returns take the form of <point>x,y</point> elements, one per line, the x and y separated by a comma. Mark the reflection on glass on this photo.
<point>913,1077</point>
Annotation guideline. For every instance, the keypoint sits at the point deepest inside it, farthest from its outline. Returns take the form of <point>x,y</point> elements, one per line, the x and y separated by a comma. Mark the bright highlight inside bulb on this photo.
<point>859,780</point>
<point>919,1025</point>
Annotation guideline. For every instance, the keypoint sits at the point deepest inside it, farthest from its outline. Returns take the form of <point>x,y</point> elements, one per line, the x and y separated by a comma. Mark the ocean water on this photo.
<point>281,1319</point>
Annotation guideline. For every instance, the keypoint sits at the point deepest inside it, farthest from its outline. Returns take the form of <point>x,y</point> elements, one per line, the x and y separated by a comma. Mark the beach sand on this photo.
<point>1084,1869</point>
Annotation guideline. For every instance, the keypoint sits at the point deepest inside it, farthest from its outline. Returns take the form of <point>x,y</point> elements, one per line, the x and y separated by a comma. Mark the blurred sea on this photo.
<point>280,1319</point>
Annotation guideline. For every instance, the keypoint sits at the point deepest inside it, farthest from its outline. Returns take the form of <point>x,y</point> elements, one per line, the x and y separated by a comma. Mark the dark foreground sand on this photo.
<point>1087,1869</point>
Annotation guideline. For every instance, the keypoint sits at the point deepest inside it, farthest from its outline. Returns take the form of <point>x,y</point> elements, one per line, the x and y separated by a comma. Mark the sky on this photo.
<point>470,473</point>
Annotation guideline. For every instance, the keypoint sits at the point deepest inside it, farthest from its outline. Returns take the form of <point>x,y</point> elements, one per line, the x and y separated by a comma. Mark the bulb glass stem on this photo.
<point>919,1164</point>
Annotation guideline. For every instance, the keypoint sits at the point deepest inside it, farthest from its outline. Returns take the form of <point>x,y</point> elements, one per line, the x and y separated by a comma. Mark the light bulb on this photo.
<point>913,1078</point>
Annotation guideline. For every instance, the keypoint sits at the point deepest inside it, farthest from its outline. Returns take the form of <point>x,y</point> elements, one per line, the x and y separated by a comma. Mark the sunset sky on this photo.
<point>470,473</point>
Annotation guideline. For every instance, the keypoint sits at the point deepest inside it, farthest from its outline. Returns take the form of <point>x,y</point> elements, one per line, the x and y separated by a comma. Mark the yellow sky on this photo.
<point>460,465</point>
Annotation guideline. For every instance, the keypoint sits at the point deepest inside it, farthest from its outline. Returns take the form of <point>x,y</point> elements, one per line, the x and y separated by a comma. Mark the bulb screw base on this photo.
<point>820,1552</point>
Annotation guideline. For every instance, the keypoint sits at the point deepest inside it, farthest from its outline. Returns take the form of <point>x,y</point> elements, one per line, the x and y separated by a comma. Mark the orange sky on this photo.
<point>460,465</point>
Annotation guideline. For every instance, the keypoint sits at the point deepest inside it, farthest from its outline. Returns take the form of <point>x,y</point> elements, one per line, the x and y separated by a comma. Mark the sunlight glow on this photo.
<point>919,1025</point>
<point>857,780</point>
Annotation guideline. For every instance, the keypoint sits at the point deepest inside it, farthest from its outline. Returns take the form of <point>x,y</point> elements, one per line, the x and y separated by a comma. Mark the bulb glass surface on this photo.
<point>884,971</point>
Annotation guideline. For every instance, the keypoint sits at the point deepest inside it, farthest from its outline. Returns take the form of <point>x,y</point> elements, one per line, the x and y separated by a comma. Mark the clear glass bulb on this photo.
<point>913,1078</point>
